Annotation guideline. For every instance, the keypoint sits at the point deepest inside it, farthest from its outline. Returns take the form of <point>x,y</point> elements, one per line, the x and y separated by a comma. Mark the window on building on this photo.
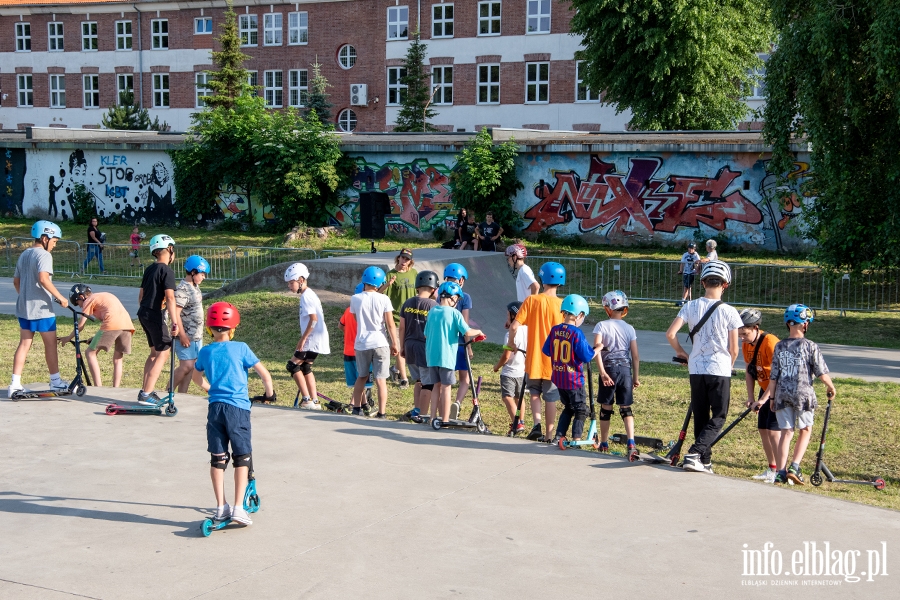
<point>272,29</point>
<point>396,89</point>
<point>89,36</point>
<point>23,38</point>
<point>488,18</point>
<point>298,28</point>
<point>347,120</point>
<point>249,29</point>
<point>203,25</point>
<point>253,81</point>
<point>57,91</point>
<point>442,84</point>
<point>537,83</point>
<point>582,92</point>
<point>25,86</point>
<point>159,29</point>
<point>123,35</point>
<point>347,56</point>
<point>398,22</point>
<point>55,37</point>
<point>124,85</point>
<point>298,87</point>
<point>538,16</point>
<point>91,90</point>
<point>757,90</point>
<point>489,84</point>
<point>160,90</point>
<point>201,79</point>
<point>442,21</point>
<point>274,88</point>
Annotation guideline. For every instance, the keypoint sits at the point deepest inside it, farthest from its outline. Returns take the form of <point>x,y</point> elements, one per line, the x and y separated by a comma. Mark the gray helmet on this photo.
<point>428,279</point>
<point>750,316</point>
<point>78,292</point>
<point>513,309</point>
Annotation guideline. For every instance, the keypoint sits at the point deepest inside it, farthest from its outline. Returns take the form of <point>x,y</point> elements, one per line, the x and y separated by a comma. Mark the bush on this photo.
<point>83,205</point>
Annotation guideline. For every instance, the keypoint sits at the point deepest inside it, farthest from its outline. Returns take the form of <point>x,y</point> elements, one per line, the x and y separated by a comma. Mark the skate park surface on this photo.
<point>98,506</point>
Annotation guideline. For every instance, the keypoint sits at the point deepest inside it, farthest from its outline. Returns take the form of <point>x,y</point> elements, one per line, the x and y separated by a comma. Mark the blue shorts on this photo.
<point>622,390</point>
<point>189,353</point>
<point>688,280</point>
<point>350,372</point>
<point>39,325</point>
<point>461,364</point>
<point>226,423</point>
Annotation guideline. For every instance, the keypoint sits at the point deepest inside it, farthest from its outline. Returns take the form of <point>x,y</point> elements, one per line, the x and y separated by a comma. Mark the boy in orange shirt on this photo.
<point>759,350</point>
<point>540,313</point>
<point>347,324</point>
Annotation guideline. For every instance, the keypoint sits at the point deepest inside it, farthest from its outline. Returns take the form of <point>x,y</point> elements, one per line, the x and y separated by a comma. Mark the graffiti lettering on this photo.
<point>112,161</point>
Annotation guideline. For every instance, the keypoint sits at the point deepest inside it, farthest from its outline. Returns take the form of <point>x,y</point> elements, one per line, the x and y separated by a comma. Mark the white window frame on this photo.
<point>347,56</point>
<point>253,81</point>
<point>23,36</point>
<point>298,28</point>
<point>298,87</point>
<point>758,90</point>
<point>90,87</point>
<point>57,88</point>
<point>589,94</point>
<point>159,38</point>
<point>25,90</point>
<point>442,21</point>
<point>124,39</point>
<point>248,26</point>
<point>439,80</point>
<point>200,26</point>
<point>273,29</point>
<point>55,37</point>
<point>273,88</point>
<point>489,84</point>
<point>122,86</point>
<point>535,19</point>
<point>397,23</point>
<point>396,91</point>
<point>537,83</point>
<point>89,39</point>
<point>490,18</point>
<point>201,78</point>
<point>161,94</point>
<point>348,117</point>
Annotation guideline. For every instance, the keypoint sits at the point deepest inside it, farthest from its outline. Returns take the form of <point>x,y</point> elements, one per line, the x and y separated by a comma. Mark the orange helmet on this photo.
<point>223,314</point>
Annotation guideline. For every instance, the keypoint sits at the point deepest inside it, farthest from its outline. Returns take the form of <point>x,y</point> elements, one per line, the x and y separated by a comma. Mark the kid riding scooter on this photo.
<point>816,478</point>
<point>251,505</point>
<point>475,421</point>
<point>591,439</point>
<point>165,406</point>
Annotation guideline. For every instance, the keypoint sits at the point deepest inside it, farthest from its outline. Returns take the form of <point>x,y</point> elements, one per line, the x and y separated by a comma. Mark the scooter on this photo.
<point>821,468</point>
<point>251,505</point>
<point>77,386</point>
<point>475,421</point>
<point>165,406</point>
<point>591,439</point>
<point>675,450</point>
<point>640,440</point>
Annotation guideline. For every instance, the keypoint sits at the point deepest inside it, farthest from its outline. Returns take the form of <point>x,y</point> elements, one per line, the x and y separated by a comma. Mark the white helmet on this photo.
<point>615,300</point>
<point>716,268</point>
<point>296,271</point>
<point>160,241</point>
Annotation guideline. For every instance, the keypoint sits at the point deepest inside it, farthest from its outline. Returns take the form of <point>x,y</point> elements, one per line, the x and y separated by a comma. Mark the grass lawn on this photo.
<point>863,439</point>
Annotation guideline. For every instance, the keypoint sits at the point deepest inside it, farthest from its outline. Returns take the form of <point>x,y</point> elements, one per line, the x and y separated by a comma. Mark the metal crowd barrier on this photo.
<point>582,274</point>
<point>4,244</point>
<point>249,259</point>
<point>220,259</point>
<point>66,256</point>
<point>866,291</point>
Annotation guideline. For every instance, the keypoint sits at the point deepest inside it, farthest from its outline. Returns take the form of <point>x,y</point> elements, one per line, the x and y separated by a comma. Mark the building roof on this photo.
<point>9,3</point>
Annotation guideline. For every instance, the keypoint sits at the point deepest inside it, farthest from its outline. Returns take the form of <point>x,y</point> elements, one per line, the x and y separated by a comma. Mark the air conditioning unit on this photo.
<point>359,94</point>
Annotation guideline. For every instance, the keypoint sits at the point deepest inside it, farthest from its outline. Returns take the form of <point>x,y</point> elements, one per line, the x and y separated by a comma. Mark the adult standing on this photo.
<point>400,287</point>
<point>487,233</point>
<point>95,245</point>
<point>461,220</point>
<point>468,233</point>
<point>711,253</point>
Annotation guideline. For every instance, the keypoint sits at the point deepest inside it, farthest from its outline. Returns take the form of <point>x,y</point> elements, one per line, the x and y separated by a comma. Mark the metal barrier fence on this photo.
<point>867,291</point>
<point>4,247</point>
<point>66,256</point>
<point>582,274</point>
<point>249,259</point>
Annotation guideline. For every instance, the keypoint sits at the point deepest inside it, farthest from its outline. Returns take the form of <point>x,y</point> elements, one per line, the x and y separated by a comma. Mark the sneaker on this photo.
<point>604,447</point>
<point>395,375</point>
<point>766,476</point>
<point>707,468</point>
<point>310,405</point>
<point>535,434</point>
<point>770,476</point>
<point>404,384</point>
<point>356,411</point>
<point>794,476</point>
<point>13,388</point>
<point>224,514</point>
<point>59,385</point>
<point>520,428</point>
<point>631,452</point>
<point>419,419</point>
<point>781,477</point>
<point>454,411</point>
<point>240,515</point>
<point>145,399</point>
<point>692,463</point>
<point>381,416</point>
<point>680,303</point>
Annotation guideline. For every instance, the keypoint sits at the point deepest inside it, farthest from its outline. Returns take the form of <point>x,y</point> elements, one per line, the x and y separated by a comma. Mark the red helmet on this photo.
<point>223,314</point>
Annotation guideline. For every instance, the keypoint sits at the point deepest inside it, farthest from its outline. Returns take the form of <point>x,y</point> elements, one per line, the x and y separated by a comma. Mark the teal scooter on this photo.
<point>591,439</point>
<point>165,406</point>
<point>251,505</point>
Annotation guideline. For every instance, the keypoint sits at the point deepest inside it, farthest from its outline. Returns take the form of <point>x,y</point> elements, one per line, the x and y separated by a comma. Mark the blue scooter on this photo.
<point>592,439</point>
<point>165,406</point>
<point>251,505</point>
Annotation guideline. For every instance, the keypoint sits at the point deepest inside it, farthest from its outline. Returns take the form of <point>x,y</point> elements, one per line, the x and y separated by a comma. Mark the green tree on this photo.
<point>230,80</point>
<point>129,116</point>
<point>484,179</point>
<point>675,64</point>
<point>838,68</point>
<point>318,103</point>
<point>415,109</point>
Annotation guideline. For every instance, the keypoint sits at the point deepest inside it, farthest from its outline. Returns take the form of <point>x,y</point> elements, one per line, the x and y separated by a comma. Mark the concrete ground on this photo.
<point>98,506</point>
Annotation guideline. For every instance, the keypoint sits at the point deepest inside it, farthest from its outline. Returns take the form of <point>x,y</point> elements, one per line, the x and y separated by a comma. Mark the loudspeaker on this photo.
<point>373,206</point>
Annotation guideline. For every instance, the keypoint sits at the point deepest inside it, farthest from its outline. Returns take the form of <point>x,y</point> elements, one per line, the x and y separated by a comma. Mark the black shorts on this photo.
<point>154,325</point>
<point>310,357</point>
<point>487,245</point>
<point>765,418</point>
<point>622,390</point>
<point>227,424</point>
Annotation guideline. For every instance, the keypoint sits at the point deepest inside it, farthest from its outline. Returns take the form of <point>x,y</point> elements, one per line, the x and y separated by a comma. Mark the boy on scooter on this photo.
<point>225,363</point>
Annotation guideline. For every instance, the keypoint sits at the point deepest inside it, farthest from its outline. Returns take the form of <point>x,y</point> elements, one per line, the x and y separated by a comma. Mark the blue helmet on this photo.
<point>360,288</point>
<point>575,305</point>
<point>48,228</point>
<point>373,276</point>
<point>456,271</point>
<point>798,313</point>
<point>196,263</point>
<point>449,289</point>
<point>552,273</point>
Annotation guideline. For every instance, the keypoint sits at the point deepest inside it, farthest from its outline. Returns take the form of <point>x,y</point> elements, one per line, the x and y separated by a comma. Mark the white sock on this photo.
<point>16,380</point>
<point>55,377</point>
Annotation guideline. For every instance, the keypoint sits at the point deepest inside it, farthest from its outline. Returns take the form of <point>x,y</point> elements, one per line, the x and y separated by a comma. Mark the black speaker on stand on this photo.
<point>373,206</point>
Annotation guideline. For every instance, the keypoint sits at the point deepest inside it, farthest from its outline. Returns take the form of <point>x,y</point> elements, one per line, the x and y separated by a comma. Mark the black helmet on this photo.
<point>750,316</point>
<point>428,279</point>
<point>78,292</point>
<point>513,309</point>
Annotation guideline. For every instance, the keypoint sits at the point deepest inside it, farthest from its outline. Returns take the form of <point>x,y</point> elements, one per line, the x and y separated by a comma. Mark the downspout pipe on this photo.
<point>140,58</point>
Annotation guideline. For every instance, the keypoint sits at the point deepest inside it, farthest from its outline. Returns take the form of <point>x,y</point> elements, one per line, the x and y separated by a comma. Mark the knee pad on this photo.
<point>605,414</point>
<point>428,387</point>
<point>218,461</point>
<point>242,460</point>
<point>625,411</point>
<point>305,368</point>
<point>292,367</point>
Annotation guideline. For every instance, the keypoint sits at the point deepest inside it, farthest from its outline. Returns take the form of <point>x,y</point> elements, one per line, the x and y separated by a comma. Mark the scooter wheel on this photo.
<point>436,424</point>
<point>816,479</point>
<point>171,410</point>
<point>879,484</point>
<point>596,442</point>
<point>562,443</point>
<point>206,527</point>
<point>112,410</point>
<point>80,390</point>
<point>480,427</point>
<point>253,503</point>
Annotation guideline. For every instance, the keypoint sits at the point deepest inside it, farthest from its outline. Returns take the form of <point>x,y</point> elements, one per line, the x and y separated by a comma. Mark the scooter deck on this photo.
<point>166,408</point>
<point>42,395</point>
<point>640,440</point>
<point>478,425</point>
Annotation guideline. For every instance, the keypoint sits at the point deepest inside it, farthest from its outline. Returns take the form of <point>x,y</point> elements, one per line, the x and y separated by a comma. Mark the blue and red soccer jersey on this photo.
<point>568,351</point>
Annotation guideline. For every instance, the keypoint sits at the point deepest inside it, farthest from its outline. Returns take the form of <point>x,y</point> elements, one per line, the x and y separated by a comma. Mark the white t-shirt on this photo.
<point>524,279</point>
<point>515,366</point>
<point>690,262</point>
<point>616,336</point>
<point>709,354</point>
<point>318,339</point>
<point>369,308</point>
<point>712,255</point>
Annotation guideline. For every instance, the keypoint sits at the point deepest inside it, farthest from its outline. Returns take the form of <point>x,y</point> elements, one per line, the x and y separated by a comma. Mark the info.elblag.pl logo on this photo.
<point>814,564</point>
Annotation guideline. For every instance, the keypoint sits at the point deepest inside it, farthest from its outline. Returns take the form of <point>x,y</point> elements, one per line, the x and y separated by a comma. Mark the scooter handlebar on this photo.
<point>76,313</point>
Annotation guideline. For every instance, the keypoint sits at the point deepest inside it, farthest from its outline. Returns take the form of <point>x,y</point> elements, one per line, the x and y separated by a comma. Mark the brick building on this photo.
<point>508,63</point>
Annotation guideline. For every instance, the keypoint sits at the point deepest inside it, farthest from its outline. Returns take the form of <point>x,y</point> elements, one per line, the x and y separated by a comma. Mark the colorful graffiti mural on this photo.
<point>420,194</point>
<point>12,189</point>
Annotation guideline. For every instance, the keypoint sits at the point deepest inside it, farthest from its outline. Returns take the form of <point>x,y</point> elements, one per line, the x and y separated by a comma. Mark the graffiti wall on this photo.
<point>12,190</point>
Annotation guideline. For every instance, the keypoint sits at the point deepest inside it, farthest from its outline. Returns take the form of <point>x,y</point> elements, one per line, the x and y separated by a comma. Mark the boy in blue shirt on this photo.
<point>228,419</point>
<point>568,351</point>
<point>443,328</point>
